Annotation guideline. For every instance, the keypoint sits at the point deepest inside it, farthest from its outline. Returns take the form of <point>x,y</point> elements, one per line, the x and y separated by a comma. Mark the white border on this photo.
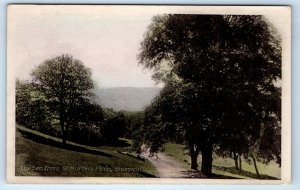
<point>284,11</point>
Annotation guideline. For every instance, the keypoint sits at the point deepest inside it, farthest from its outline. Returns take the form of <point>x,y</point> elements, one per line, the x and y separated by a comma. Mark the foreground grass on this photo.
<point>38,154</point>
<point>225,167</point>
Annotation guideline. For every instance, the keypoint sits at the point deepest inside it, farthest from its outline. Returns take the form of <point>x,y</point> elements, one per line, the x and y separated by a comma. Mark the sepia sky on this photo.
<point>107,41</point>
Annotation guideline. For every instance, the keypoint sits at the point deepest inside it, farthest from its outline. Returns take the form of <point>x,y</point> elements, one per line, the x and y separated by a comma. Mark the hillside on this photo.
<point>126,98</point>
<point>38,154</point>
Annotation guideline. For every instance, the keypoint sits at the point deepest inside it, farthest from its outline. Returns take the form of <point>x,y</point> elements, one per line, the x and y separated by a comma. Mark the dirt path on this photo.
<point>166,166</point>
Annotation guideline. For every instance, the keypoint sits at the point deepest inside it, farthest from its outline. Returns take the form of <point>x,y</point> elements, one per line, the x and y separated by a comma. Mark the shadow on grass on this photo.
<point>199,174</point>
<point>117,143</point>
<point>232,170</point>
<point>242,173</point>
<point>48,141</point>
<point>220,176</point>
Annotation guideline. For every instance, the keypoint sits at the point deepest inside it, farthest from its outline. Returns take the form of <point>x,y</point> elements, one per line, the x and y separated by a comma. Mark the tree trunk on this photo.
<point>235,157</point>
<point>194,164</point>
<point>66,131</point>
<point>64,140</point>
<point>255,166</point>
<point>63,130</point>
<point>240,162</point>
<point>62,122</point>
<point>206,166</point>
<point>63,133</point>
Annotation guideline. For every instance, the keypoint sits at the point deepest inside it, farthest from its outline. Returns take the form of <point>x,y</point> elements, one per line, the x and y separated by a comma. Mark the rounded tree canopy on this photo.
<point>234,61</point>
<point>63,78</point>
<point>210,47</point>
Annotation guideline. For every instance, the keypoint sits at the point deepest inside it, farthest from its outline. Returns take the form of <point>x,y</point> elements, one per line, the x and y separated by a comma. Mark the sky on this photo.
<point>106,40</point>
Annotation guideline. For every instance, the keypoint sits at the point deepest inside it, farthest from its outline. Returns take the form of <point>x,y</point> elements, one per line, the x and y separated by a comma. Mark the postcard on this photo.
<point>148,94</point>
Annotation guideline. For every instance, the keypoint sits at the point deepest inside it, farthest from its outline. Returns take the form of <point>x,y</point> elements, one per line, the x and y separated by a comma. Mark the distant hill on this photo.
<point>126,98</point>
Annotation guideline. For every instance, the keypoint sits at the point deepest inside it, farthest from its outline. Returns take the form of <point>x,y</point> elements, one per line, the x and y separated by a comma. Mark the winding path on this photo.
<point>168,167</point>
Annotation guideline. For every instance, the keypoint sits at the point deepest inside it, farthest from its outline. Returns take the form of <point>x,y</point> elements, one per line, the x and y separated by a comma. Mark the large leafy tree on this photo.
<point>227,69</point>
<point>65,83</point>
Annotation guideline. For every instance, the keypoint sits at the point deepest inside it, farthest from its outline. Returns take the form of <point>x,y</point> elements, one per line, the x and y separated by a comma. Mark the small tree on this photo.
<point>134,129</point>
<point>23,100</point>
<point>31,108</point>
<point>114,127</point>
<point>64,82</point>
<point>90,119</point>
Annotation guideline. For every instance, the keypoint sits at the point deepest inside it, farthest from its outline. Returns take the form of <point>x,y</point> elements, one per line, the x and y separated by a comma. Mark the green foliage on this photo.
<point>94,125</point>
<point>31,109</point>
<point>61,90</point>
<point>65,83</point>
<point>134,129</point>
<point>87,130</point>
<point>97,126</point>
<point>220,74</point>
<point>114,127</point>
<point>134,120</point>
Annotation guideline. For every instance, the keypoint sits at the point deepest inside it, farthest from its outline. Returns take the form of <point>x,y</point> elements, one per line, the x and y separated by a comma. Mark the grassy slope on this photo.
<point>225,167</point>
<point>38,155</point>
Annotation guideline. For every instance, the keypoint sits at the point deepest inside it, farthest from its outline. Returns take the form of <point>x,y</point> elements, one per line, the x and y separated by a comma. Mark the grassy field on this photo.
<point>38,154</point>
<point>225,167</point>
